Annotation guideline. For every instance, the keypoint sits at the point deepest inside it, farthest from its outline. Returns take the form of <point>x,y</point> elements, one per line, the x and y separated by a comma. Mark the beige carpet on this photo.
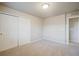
<point>43,48</point>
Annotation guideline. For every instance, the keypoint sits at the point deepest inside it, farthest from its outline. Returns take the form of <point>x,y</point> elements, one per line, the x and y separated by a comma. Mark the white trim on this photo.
<point>67,29</point>
<point>74,17</point>
<point>68,16</point>
<point>1,12</point>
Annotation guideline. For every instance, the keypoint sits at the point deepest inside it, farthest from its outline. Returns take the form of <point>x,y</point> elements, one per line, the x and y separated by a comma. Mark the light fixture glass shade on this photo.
<point>45,6</point>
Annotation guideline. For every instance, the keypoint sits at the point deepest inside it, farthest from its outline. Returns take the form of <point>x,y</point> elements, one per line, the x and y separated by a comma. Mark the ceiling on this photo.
<point>34,8</point>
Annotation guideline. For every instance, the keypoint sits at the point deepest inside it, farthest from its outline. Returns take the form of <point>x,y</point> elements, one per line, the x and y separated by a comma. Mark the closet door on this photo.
<point>24,30</point>
<point>8,31</point>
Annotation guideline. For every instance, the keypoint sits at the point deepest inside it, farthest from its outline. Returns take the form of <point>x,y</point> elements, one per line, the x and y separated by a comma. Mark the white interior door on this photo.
<point>74,30</point>
<point>8,31</point>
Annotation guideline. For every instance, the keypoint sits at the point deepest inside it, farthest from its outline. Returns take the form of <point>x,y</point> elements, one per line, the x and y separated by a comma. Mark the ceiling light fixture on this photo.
<point>45,6</point>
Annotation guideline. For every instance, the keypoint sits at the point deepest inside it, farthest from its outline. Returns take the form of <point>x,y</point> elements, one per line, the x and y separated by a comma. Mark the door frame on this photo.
<point>68,16</point>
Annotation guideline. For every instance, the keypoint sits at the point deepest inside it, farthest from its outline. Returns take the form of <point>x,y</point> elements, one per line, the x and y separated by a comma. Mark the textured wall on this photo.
<point>54,29</point>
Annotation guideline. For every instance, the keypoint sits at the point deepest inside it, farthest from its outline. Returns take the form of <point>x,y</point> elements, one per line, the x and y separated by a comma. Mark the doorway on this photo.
<point>74,30</point>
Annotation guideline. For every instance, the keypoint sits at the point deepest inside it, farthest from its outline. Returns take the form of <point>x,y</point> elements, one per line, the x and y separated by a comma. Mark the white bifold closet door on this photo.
<point>24,30</point>
<point>14,31</point>
<point>8,31</point>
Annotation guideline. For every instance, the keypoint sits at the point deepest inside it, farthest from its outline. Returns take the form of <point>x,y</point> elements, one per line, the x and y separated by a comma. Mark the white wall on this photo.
<point>36,29</point>
<point>28,26</point>
<point>54,29</point>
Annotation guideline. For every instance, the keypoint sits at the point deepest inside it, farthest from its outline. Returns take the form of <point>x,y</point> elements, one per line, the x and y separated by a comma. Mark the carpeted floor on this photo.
<point>43,48</point>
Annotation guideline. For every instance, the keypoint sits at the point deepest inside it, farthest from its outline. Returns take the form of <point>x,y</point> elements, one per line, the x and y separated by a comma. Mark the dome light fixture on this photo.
<point>45,6</point>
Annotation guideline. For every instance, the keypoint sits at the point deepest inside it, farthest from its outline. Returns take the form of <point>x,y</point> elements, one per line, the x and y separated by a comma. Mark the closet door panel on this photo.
<point>24,31</point>
<point>9,31</point>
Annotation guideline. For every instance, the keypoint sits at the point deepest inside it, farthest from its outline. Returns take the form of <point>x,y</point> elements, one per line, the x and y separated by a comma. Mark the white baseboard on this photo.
<point>51,39</point>
<point>36,40</point>
<point>24,44</point>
